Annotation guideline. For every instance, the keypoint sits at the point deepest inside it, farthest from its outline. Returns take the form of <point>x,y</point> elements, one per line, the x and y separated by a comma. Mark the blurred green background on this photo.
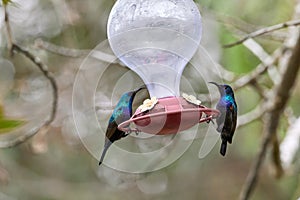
<point>61,167</point>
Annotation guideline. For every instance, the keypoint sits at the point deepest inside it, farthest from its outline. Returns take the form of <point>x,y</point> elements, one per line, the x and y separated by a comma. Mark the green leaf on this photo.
<point>7,125</point>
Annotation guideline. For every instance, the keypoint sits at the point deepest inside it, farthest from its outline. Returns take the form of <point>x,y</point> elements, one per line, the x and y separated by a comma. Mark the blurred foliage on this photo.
<point>5,2</point>
<point>1,111</point>
<point>237,59</point>
<point>8,125</point>
<point>67,170</point>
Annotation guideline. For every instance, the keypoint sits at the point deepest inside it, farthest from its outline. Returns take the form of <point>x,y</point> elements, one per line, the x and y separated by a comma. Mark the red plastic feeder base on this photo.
<point>169,116</point>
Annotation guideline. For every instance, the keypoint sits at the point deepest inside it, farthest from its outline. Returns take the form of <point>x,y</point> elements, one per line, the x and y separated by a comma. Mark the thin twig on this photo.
<point>254,114</point>
<point>44,69</point>
<point>59,50</point>
<point>13,47</point>
<point>262,92</point>
<point>264,57</point>
<point>75,53</point>
<point>250,77</point>
<point>253,173</point>
<point>8,29</point>
<point>240,27</point>
<point>259,70</point>
<point>278,101</point>
<point>264,31</point>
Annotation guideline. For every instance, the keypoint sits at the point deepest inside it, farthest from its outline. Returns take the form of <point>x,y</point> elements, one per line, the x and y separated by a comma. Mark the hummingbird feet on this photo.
<point>209,119</point>
<point>135,130</point>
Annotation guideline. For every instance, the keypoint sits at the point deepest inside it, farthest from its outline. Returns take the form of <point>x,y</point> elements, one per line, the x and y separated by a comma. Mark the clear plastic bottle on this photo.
<point>156,39</point>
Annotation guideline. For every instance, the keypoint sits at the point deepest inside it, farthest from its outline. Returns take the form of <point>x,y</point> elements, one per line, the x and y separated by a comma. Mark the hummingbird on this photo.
<point>226,121</point>
<point>121,113</point>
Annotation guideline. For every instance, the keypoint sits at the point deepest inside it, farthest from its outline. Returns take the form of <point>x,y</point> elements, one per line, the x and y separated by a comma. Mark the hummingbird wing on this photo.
<point>234,120</point>
<point>227,122</point>
<point>221,119</point>
<point>230,121</point>
<point>111,129</point>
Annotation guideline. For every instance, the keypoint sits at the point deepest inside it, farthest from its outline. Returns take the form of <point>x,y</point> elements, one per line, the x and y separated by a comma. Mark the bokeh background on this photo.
<point>56,165</point>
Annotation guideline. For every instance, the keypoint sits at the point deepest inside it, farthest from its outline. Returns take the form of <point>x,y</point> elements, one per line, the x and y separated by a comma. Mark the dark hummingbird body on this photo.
<point>228,115</point>
<point>121,113</point>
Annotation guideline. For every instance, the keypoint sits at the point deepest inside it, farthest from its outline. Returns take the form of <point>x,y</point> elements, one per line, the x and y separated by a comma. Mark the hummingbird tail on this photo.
<point>106,146</point>
<point>223,147</point>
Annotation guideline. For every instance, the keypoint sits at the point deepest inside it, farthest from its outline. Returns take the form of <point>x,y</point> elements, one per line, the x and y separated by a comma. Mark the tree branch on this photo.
<point>75,53</point>
<point>278,101</point>
<point>254,114</point>
<point>44,69</point>
<point>264,57</point>
<point>13,47</point>
<point>262,92</point>
<point>63,51</point>
<point>259,70</point>
<point>276,157</point>
<point>264,31</point>
<point>289,114</point>
<point>8,29</point>
<point>240,27</point>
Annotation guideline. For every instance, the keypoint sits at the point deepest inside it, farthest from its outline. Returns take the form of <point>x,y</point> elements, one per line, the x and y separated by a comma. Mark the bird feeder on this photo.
<point>156,39</point>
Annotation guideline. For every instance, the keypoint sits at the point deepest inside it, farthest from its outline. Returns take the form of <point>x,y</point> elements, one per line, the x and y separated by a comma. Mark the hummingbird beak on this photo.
<point>140,88</point>
<point>221,90</point>
<point>214,83</point>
